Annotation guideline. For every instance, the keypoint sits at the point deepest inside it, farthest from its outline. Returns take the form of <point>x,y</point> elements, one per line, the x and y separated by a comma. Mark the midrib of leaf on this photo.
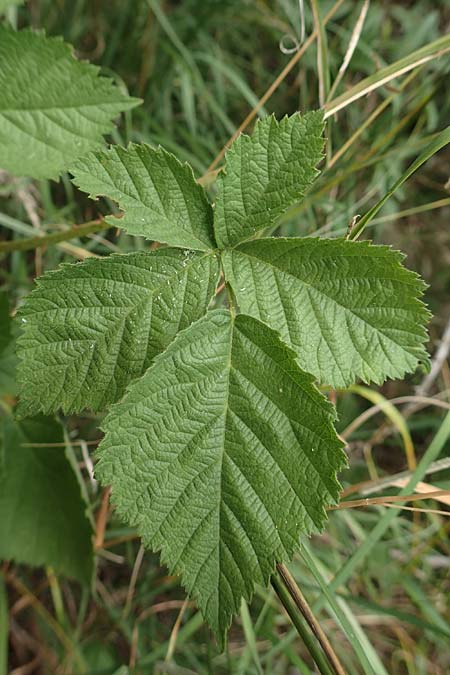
<point>141,200</point>
<point>222,455</point>
<point>237,510</point>
<point>120,315</point>
<point>320,292</point>
<point>308,429</point>
<point>269,188</point>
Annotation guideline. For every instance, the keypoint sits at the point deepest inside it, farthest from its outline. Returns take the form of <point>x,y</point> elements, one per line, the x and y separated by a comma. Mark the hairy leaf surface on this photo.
<point>43,514</point>
<point>222,454</point>
<point>349,309</point>
<point>265,174</point>
<point>90,328</point>
<point>53,108</point>
<point>160,197</point>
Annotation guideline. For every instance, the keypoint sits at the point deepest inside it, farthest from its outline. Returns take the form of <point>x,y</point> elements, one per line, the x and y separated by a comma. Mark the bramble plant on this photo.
<point>219,447</point>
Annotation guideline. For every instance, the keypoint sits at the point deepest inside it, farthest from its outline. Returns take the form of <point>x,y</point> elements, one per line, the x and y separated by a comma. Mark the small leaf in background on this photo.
<point>159,195</point>
<point>222,454</point>
<point>90,328</point>
<point>349,309</point>
<point>53,108</point>
<point>265,174</point>
<point>43,514</point>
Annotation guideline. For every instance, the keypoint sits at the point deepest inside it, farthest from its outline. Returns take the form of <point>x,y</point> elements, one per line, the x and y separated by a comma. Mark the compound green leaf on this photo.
<point>222,455</point>
<point>43,514</point>
<point>160,196</point>
<point>349,309</point>
<point>53,108</point>
<point>265,174</point>
<point>90,328</point>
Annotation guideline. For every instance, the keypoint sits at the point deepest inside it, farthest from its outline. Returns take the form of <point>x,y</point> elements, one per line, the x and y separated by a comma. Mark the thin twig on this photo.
<point>54,238</point>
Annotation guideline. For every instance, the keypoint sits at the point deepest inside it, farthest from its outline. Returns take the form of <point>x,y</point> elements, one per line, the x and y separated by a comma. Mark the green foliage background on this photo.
<point>200,68</point>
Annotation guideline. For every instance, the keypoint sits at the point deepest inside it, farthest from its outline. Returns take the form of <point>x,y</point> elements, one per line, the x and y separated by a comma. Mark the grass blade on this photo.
<point>388,518</point>
<point>394,416</point>
<point>322,54</point>
<point>250,636</point>
<point>356,34</point>
<point>385,75</point>
<point>442,139</point>
<point>353,631</point>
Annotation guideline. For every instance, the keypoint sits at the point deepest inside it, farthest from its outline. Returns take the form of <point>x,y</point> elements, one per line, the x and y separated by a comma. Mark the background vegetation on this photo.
<point>200,68</point>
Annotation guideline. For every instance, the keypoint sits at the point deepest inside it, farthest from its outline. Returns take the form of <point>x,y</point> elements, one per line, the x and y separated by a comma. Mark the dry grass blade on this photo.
<point>371,118</point>
<point>373,410</point>
<point>425,489</point>
<point>273,87</point>
<point>437,512</point>
<point>401,479</point>
<point>133,580</point>
<point>41,610</point>
<point>428,53</point>
<point>102,519</point>
<point>175,630</point>
<point>354,39</point>
<point>382,501</point>
<point>438,361</point>
<point>322,54</point>
<point>394,416</point>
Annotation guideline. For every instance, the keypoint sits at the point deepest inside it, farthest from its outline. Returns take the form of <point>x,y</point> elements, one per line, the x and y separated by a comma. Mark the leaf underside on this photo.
<point>90,328</point>
<point>43,514</point>
<point>222,454</point>
<point>53,108</point>
<point>265,174</point>
<point>160,197</point>
<point>349,309</point>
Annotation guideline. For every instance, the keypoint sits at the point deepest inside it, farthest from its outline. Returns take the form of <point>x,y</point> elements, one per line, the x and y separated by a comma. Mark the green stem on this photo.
<point>54,238</point>
<point>55,591</point>
<point>300,625</point>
